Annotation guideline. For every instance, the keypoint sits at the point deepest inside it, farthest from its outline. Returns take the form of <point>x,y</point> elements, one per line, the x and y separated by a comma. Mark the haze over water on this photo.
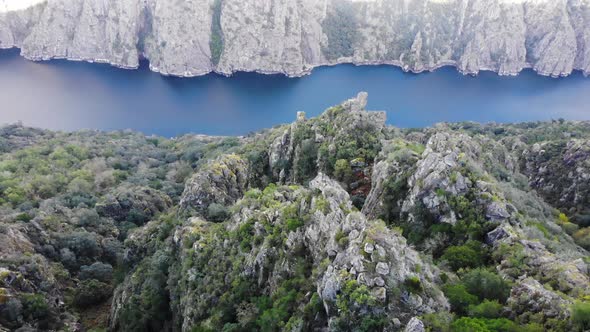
<point>70,96</point>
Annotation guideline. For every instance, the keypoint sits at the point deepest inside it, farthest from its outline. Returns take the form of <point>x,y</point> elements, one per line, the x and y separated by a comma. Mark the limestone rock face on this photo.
<point>438,172</point>
<point>221,181</point>
<point>175,36</point>
<point>292,37</point>
<point>389,263</point>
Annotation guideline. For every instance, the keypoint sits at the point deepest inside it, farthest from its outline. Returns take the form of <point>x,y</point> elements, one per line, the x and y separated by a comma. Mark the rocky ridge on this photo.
<point>291,38</point>
<point>328,223</point>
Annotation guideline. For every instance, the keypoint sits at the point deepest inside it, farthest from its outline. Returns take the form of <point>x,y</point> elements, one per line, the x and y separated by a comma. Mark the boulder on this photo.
<point>415,325</point>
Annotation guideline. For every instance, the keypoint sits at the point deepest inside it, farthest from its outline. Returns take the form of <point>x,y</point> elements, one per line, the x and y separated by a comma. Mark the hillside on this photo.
<point>337,223</point>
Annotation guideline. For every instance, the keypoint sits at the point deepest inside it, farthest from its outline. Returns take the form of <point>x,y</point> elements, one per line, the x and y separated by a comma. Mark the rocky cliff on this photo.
<point>333,223</point>
<point>194,38</point>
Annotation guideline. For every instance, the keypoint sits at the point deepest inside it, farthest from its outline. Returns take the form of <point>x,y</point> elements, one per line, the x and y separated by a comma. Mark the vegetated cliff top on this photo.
<point>337,222</point>
<point>194,38</point>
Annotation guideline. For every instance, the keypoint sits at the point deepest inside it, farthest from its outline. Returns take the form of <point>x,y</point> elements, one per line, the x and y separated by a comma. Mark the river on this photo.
<point>66,95</point>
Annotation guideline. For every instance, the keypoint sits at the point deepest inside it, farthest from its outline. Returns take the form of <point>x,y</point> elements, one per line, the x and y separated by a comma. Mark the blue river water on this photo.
<point>71,95</point>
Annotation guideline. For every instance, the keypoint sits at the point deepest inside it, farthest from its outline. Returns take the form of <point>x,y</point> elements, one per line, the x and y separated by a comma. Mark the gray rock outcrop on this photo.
<point>221,181</point>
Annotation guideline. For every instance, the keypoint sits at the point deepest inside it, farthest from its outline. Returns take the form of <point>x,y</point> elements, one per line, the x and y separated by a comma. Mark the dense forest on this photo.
<point>338,223</point>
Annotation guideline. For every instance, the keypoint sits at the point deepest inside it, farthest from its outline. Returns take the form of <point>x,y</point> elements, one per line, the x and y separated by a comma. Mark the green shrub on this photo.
<point>581,315</point>
<point>15,196</point>
<point>563,218</point>
<point>99,271</point>
<point>314,306</point>
<point>305,164</point>
<point>148,309</point>
<point>85,245</point>
<point>532,327</point>
<point>358,201</point>
<point>371,323</point>
<point>466,324</point>
<point>137,217</point>
<point>341,238</point>
<point>124,228</point>
<point>413,284</point>
<point>394,191</point>
<point>35,306</point>
<point>217,212</point>
<point>244,234</point>
<point>253,193</point>
<point>570,228</point>
<point>486,309</point>
<point>91,292</point>
<point>342,170</point>
<point>462,257</point>
<point>354,306</point>
<point>438,321</point>
<point>486,285</point>
<point>294,224</point>
<point>472,224</point>
<point>459,298</point>
<point>25,217</point>
<point>513,257</point>
<point>582,237</point>
<point>502,325</point>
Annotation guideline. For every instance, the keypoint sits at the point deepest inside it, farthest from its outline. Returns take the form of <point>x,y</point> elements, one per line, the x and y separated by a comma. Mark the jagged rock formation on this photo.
<point>332,223</point>
<point>220,182</point>
<point>225,36</point>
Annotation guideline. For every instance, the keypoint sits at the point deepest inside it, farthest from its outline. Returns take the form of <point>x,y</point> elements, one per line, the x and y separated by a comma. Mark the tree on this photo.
<point>486,285</point>
<point>217,212</point>
<point>582,237</point>
<point>305,164</point>
<point>99,271</point>
<point>461,257</point>
<point>581,316</point>
<point>466,324</point>
<point>342,170</point>
<point>91,292</point>
<point>459,298</point>
<point>35,306</point>
<point>486,309</point>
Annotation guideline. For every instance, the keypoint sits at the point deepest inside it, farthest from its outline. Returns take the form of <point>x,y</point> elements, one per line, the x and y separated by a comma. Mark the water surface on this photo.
<point>70,95</point>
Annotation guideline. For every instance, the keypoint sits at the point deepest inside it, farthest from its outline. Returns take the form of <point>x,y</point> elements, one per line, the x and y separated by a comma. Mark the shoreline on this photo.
<point>304,72</point>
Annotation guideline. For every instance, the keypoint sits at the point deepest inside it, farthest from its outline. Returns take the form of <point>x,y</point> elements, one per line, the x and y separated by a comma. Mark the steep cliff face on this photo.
<point>292,37</point>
